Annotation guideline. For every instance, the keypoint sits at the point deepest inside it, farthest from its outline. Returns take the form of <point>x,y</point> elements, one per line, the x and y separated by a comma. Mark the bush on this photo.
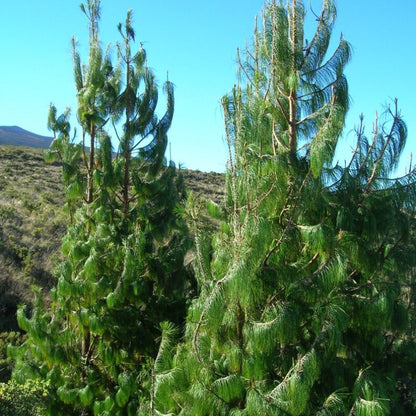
<point>24,399</point>
<point>8,338</point>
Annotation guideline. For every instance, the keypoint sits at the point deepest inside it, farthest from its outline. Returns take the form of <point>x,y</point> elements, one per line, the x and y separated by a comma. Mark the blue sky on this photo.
<point>196,42</point>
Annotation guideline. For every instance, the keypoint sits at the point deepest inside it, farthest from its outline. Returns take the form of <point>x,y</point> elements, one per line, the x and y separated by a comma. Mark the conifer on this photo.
<point>302,306</point>
<point>123,275</point>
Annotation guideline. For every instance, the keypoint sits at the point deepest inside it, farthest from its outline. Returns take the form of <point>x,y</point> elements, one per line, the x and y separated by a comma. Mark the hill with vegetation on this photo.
<point>32,223</point>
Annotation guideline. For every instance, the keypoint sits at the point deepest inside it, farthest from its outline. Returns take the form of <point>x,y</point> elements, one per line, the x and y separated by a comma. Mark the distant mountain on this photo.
<point>16,136</point>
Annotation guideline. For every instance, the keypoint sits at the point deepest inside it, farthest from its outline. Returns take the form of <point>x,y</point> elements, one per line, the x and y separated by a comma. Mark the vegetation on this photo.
<point>33,223</point>
<point>31,227</point>
<point>305,304</point>
<point>28,180</point>
<point>123,273</point>
<point>24,399</point>
<point>8,338</point>
<point>300,298</point>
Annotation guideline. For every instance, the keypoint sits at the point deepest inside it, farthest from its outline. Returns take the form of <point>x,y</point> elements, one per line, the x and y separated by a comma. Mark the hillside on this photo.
<point>32,222</point>
<point>16,136</point>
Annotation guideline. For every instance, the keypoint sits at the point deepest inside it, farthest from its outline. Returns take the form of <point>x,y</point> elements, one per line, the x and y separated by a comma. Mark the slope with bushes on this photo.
<point>32,223</point>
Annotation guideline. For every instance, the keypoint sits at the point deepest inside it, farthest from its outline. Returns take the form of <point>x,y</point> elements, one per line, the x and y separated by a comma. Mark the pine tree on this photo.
<point>123,273</point>
<point>302,298</point>
<point>69,154</point>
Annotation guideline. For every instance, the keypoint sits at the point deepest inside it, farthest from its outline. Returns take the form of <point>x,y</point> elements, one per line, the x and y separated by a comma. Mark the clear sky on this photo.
<point>196,42</point>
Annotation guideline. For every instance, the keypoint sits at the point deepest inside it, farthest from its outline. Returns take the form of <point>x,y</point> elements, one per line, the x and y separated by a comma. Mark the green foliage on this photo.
<point>303,289</point>
<point>25,399</point>
<point>6,339</point>
<point>306,294</point>
<point>30,241</point>
<point>123,272</point>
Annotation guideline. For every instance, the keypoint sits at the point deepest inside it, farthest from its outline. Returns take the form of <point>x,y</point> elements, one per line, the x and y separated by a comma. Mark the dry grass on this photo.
<point>209,185</point>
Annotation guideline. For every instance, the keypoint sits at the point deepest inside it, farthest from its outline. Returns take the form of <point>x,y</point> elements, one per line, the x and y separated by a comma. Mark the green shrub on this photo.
<point>8,338</point>
<point>24,399</point>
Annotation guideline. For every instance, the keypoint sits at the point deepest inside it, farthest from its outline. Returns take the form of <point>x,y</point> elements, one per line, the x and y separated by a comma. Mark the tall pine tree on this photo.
<point>302,307</point>
<point>123,273</point>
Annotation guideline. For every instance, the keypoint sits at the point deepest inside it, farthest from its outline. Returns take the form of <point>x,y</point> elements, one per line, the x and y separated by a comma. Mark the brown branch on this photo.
<point>90,350</point>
